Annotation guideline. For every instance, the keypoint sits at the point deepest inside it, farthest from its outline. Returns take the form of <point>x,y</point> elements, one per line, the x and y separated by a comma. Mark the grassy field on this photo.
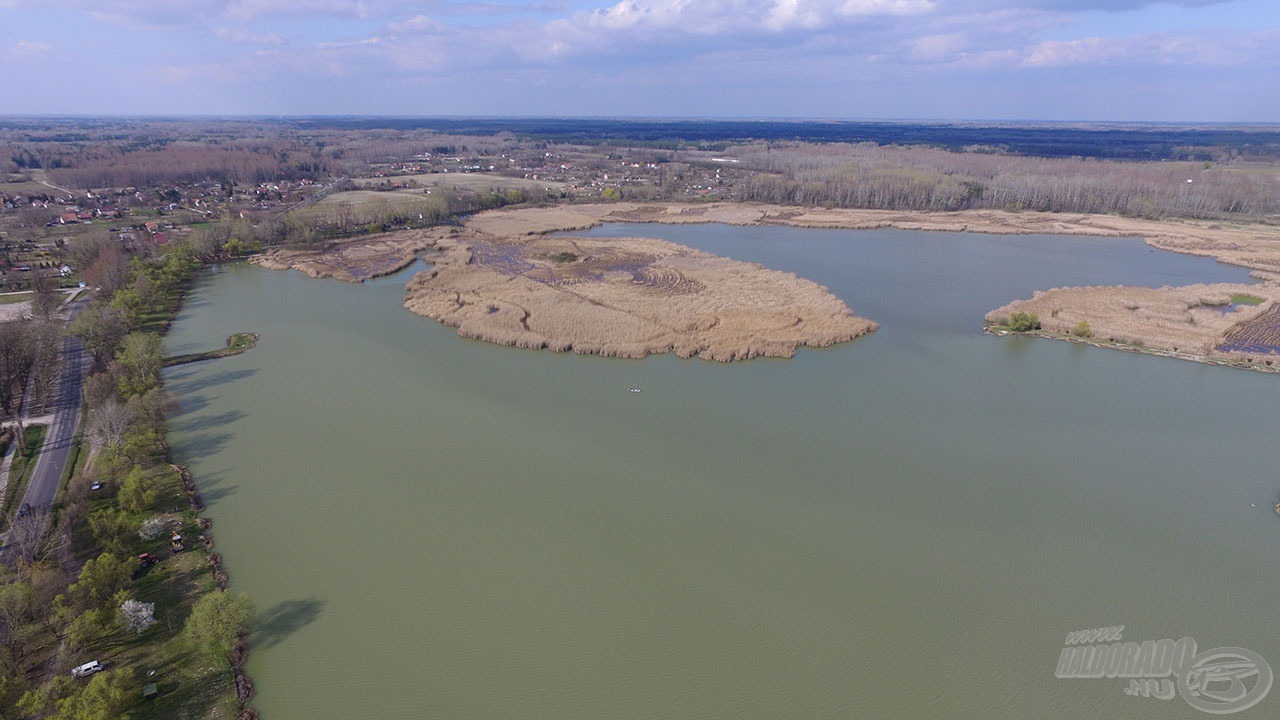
<point>11,298</point>
<point>26,188</point>
<point>191,686</point>
<point>476,182</point>
<point>357,208</point>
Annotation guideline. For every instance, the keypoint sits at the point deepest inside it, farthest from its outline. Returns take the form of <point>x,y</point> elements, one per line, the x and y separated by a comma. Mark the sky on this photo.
<point>1066,60</point>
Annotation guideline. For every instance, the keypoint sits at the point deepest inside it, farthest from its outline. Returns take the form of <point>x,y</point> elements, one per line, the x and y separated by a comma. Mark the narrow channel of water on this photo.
<point>905,526</point>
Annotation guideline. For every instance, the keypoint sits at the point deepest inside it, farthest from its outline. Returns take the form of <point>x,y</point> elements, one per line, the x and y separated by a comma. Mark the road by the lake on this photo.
<point>52,461</point>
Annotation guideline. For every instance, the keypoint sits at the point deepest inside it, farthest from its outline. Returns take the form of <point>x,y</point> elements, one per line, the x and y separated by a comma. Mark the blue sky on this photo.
<point>1128,60</point>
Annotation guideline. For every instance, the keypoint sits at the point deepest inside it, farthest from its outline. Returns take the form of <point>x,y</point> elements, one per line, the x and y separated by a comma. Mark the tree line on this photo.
<point>78,588</point>
<point>914,178</point>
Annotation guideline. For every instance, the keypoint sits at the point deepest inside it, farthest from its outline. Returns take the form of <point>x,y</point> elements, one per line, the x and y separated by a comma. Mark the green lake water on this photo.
<point>905,526</point>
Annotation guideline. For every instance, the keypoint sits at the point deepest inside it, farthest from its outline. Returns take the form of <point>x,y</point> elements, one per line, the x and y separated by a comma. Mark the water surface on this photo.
<point>904,526</point>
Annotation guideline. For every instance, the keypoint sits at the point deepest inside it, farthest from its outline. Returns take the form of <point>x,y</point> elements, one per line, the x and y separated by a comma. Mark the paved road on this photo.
<point>52,460</point>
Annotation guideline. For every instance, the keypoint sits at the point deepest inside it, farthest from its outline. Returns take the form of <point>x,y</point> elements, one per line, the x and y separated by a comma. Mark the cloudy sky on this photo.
<point>1192,60</point>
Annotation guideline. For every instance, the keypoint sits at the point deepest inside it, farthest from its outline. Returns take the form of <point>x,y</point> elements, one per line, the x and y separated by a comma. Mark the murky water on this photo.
<point>905,526</point>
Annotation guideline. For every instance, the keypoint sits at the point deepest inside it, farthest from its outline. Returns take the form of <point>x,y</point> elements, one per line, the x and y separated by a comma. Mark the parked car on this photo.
<point>25,510</point>
<point>96,485</point>
<point>86,669</point>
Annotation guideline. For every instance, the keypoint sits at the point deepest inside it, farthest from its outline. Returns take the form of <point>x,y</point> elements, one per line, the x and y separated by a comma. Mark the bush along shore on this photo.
<point>122,570</point>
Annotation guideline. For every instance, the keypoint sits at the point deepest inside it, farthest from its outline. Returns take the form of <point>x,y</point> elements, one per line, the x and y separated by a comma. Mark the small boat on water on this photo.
<point>633,389</point>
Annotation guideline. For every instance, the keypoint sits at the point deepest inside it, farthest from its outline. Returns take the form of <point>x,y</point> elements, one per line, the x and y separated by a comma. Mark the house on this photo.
<point>68,217</point>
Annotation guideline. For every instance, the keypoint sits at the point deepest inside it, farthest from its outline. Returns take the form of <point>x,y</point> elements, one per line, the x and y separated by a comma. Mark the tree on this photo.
<point>104,697</point>
<point>100,579</point>
<point>108,270</point>
<point>151,528</point>
<point>131,305</point>
<point>101,387</point>
<point>17,357</point>
<point>1083,330</point>
<point>216,623</point>
<point>15,613</point>
<point>136,493</point>
<point>1024,322</point>
<point>108,424</point>
<point>30,535</point>
<point>153,406</point>
<point>141,359</point>
<point>137,616</point>
<point>101,329</point>
<point>46,356</point>
<point>46,298</point>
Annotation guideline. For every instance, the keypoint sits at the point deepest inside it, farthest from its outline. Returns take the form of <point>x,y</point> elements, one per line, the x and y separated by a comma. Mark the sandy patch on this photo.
<point>357,259</point>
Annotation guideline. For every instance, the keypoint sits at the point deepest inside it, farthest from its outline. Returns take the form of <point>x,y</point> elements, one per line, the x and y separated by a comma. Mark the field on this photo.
<point>360,207</point>
<point>475,182</point>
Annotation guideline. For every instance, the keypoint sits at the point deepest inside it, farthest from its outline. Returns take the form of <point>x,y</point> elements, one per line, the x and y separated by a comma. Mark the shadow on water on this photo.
<point>213,486</point>
<point>194,403</point>
<point>185,383</point>
<point>204,444</point>
<point>211,421</point>
<point>283,620</point>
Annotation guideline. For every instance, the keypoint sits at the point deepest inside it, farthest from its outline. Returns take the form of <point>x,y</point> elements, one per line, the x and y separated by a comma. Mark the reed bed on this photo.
<point>354,260</point>
<point>627,297</point>
<point>1190,320</point>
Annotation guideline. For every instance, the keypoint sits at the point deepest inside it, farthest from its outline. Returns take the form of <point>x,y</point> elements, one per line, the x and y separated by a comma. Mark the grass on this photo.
<point>23,463</point>
<point>191,686</point>
<point>1246,300</point>
<point>76,460</point>
<point>26,188</point>
<point>11,298</point>
<point>478,182</point>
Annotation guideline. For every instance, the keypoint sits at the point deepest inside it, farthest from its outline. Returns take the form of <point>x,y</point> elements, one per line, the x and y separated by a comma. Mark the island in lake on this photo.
<point>518,277</point>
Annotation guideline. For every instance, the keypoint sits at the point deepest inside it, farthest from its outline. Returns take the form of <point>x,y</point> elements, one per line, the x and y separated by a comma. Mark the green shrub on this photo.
<point>1082,329</point>
<point>1024,322</point>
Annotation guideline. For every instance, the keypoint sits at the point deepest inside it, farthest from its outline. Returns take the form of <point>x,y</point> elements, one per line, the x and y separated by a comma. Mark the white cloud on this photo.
<point>27,48</point>
<point>240,36</point>
<point>1205,50</point>
<point>257,9</point>
<point>415,25</point>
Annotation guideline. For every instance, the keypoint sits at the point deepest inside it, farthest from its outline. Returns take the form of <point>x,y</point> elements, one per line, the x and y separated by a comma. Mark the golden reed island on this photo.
<point>502,278</point>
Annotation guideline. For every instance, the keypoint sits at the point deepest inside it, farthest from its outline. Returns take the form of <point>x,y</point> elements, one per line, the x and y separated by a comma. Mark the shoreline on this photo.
<point>1255,246</point>
<point>1252,245</point>
<point>243,684</point>
<point>1231,242</point>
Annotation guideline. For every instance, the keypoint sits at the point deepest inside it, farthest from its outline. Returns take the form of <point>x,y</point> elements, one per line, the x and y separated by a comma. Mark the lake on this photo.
<point>903,526</point>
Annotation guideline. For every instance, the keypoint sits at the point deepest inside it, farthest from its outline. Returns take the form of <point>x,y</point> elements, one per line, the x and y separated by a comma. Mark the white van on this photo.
<point>86,669</point>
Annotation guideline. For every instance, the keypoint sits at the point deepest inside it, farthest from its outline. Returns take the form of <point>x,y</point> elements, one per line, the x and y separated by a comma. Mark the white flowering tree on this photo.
<point>137,616</point>
<point>151,529</point>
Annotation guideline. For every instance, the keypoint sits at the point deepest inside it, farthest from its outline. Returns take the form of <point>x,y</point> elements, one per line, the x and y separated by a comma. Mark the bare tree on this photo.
<point>46,298</point>
<point>29,533</point>
<point>109,422</point>
<point>17,357</point>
